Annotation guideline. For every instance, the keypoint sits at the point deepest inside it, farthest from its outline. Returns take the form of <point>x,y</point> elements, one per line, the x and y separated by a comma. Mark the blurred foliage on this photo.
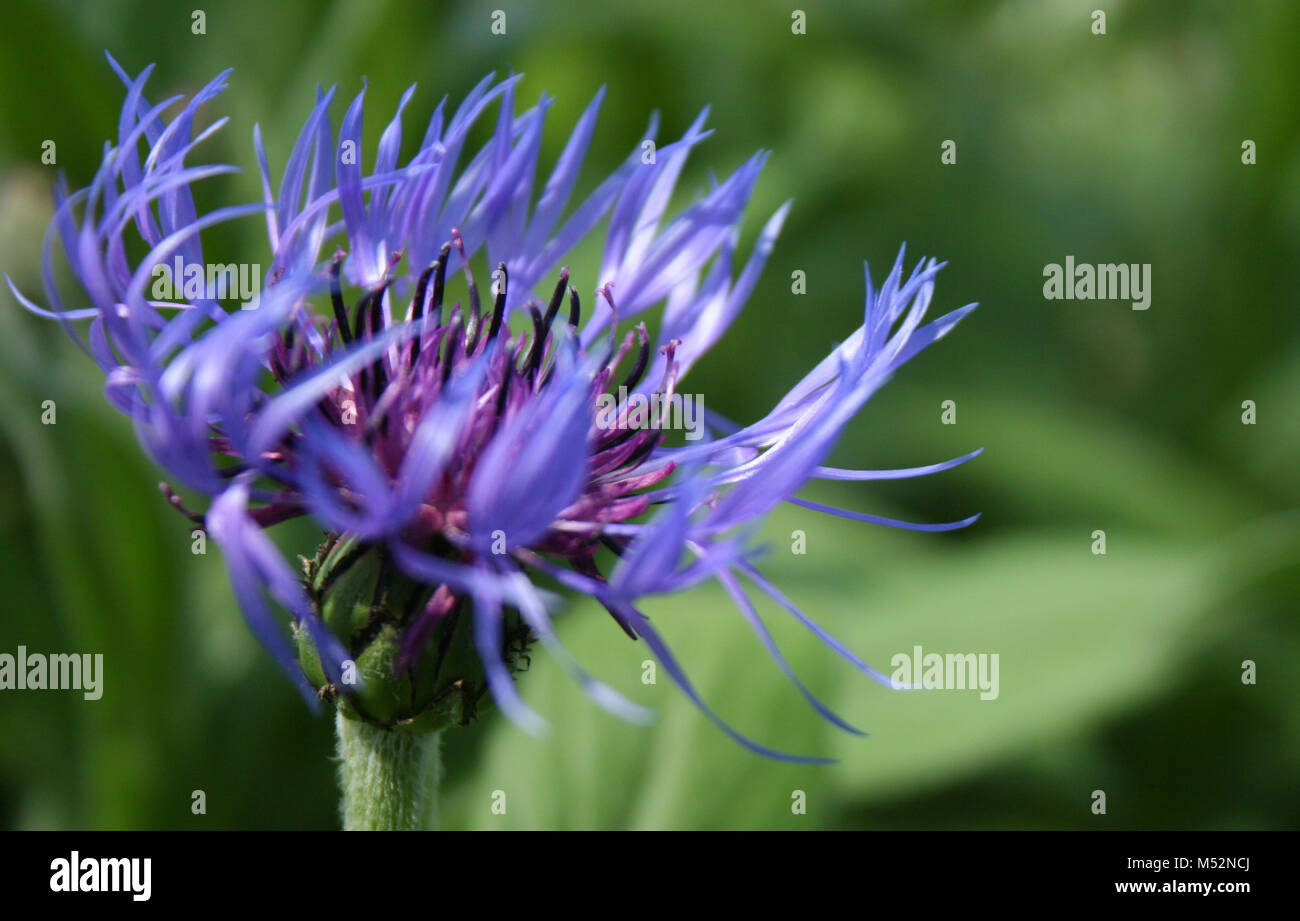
<point>1119,673</point>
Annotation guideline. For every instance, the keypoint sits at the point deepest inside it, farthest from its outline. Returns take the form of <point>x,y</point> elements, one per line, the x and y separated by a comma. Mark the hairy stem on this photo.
<point>389,779</point>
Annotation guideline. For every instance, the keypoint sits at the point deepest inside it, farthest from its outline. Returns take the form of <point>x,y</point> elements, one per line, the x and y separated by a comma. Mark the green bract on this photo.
<point>369,605</point>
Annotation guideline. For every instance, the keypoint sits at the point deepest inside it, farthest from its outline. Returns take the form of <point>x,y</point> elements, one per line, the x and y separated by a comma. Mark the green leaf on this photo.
<point>1079,637</point>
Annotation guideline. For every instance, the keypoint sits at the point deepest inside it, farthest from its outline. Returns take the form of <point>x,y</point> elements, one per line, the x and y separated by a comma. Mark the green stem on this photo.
<point>389,779</point>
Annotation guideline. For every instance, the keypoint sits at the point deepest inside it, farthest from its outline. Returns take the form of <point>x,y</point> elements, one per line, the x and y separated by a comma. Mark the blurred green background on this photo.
<point>1119,673</point>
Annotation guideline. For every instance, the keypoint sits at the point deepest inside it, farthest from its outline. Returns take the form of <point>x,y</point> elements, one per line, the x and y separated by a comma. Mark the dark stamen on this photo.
<point>642,360</point>
<point>459,242</point>
<point>377,310</point>
<point>370,313</point>
<point>417,307</point>
<point>575,314</point>
<point>575,307</point>
<point>475,305</point>
<point>453,341</point>
<point>363,309</point>
<point>499,306</point>
<point>421,289</point>
<point>179,504</point>
<point>336,297</point>
<point>439,282</point>
<point>472,327</point>
<point>539,342</point>
<point>376,327</point>
<point>502,395</point>
<point>554,306</point>
<point>618,548</point>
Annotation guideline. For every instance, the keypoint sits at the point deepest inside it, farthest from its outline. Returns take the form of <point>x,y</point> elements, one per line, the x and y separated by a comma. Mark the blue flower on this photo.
<point>467,451</point>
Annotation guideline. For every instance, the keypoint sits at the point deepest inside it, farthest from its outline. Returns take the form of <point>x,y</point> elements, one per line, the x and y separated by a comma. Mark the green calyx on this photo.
<point>370,606</point>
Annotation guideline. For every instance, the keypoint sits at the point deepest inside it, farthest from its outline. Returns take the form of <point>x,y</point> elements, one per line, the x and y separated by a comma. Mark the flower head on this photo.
<point>456,453</point>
